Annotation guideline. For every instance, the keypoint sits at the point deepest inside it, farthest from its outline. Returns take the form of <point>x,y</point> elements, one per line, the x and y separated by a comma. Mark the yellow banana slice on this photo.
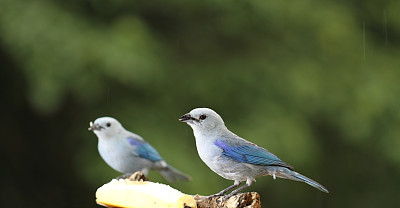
<point>142,194</point>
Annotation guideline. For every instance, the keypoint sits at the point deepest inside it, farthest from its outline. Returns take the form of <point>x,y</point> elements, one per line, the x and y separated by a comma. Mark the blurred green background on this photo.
<point>315,82</point>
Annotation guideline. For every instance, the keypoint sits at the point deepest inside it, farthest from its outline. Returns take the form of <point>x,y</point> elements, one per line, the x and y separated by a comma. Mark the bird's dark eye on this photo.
<point>202,117</point>
<point>108,124</point>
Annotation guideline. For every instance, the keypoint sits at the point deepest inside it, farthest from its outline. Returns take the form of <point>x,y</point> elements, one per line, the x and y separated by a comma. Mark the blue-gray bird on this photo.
<point>127,152</point>
<point>233,157</point>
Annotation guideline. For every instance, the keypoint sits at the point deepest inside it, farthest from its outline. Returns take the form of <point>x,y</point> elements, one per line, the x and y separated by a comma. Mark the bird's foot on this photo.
<point>222,198</point>
<point>136,176</point>
<point>226,197</point>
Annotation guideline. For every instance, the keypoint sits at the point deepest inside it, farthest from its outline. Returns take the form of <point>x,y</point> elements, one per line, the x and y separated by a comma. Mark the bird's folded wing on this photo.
<point>144,149</point>
<point>250,153</point>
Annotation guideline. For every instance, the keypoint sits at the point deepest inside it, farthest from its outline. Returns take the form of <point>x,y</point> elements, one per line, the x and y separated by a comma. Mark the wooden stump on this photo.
<point>242,200</point>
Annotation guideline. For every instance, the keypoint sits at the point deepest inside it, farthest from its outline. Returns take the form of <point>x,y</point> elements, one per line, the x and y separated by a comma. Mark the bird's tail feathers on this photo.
<point>289,174</point>
<point>171,174</point>
<point>310,182</point>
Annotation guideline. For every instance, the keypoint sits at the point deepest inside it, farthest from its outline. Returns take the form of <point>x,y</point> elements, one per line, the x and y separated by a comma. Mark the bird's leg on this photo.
<point>249,182</point>
<point>236,184</point>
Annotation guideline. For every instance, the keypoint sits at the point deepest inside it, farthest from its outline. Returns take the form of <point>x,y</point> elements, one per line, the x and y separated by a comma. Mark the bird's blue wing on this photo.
<point>144,149</point>
<point>250,153</point>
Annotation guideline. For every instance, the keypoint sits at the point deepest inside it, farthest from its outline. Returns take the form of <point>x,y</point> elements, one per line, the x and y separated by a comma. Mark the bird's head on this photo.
<point>105,126</point>
<point>203,119</point>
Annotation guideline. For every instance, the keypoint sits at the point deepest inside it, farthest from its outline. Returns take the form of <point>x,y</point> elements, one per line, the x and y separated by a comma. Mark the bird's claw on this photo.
<point>223,199</point>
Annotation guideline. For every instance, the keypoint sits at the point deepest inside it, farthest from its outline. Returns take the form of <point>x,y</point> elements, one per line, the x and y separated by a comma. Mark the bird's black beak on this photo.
<point>94,126</point>
<point>186,118</point>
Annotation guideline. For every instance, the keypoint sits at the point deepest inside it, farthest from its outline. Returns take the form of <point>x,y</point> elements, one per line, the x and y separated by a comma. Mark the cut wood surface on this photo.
<point>242,200</point>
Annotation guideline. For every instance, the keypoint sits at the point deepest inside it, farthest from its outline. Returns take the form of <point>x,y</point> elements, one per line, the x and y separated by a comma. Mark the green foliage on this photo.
<point>315,82</point>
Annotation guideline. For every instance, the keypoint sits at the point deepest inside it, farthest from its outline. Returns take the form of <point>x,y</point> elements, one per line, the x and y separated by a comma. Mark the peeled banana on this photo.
<point>142,194</point>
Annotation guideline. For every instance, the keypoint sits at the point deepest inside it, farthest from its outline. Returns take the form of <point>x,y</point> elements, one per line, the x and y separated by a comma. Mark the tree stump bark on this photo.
<point>242,200</point>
